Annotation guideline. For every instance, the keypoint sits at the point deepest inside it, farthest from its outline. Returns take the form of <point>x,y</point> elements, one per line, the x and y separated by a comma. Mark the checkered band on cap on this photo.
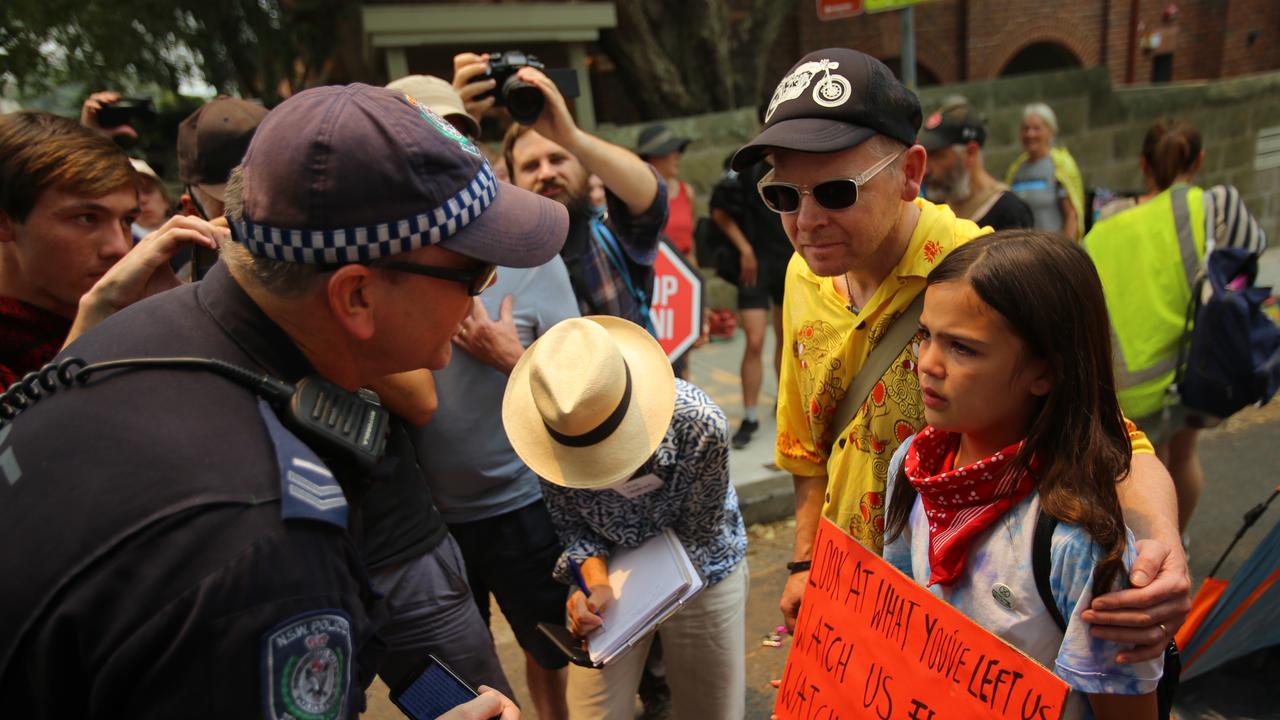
<point>371,242</point>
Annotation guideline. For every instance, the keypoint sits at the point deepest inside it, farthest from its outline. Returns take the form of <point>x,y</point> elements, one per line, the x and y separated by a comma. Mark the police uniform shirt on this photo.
<point>173,551</point>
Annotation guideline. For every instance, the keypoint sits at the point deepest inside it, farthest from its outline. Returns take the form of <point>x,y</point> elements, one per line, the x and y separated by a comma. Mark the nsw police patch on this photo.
<point>306,667</point>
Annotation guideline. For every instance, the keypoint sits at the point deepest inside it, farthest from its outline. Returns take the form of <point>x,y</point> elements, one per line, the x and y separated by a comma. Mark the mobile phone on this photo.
<point>432,692</point>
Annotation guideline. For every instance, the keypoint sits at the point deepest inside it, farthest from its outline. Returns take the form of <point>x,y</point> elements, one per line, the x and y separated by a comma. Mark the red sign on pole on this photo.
<point>871,643</point>
<point>676,310</point>
<point>837,9</point>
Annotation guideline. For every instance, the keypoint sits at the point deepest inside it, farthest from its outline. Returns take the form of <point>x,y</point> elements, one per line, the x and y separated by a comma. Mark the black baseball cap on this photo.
<point>953,124</point>
<point>833,100</point>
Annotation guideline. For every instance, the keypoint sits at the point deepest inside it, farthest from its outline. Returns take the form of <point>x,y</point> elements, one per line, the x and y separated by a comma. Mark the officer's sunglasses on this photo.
<point>835,194</point>
<point>477,279</point>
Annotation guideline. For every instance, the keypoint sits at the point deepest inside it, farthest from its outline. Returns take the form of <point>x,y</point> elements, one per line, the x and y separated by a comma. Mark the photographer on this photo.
<point>610,258</point>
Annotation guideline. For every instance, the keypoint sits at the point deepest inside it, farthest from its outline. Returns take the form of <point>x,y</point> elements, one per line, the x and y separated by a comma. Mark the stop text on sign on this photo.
<point>676,307</point>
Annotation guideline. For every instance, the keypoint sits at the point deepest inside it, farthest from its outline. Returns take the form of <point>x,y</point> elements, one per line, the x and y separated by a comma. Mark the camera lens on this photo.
<point>522,99</point>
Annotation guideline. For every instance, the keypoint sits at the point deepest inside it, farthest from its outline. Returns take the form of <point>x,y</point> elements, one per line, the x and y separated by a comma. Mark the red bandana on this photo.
<point>959,503</point>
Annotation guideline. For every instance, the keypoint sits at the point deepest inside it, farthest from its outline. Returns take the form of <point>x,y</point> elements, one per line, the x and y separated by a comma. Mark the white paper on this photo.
<point>649,582</point>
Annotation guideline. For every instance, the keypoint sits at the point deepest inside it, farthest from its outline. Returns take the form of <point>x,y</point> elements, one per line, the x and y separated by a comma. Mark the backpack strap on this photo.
<point>900,332</point>
<point>612,250</point>
<point>1041,563</point>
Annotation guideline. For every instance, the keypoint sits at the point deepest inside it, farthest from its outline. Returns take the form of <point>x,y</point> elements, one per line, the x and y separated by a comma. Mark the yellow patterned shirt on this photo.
<point>827,347</point>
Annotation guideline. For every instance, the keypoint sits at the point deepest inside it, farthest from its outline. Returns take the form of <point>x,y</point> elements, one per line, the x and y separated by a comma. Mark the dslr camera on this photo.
<point>523,100</point>
<point>132,111</point>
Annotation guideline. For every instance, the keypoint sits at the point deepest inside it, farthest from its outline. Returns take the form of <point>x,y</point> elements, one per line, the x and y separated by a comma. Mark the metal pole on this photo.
<point>909,47</point>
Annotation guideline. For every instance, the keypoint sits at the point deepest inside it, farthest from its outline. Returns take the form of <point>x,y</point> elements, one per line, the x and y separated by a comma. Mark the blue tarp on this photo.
<point>1255,627</point>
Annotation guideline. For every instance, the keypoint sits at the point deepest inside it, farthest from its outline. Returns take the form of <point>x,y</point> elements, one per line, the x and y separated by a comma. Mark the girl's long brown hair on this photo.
<point>1046,288</point>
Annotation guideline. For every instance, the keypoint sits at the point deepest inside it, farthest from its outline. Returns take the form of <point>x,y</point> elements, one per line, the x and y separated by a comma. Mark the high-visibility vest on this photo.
<point>1148,258</point>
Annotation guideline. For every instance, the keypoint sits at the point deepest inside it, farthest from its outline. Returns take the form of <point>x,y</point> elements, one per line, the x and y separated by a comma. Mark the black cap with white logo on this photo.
<point>832,100</point>
<point>955,123</point>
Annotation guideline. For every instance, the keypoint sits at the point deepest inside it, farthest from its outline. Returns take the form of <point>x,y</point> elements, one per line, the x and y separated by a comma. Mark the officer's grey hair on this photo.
<point>1044,112</point>
<point>284,279</point>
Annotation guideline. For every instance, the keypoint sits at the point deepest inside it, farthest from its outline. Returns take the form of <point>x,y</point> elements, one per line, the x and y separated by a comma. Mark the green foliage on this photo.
<point>245,47</point>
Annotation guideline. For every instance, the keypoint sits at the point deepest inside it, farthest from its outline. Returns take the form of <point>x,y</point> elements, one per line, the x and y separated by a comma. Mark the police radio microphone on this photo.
<point>341,422</point>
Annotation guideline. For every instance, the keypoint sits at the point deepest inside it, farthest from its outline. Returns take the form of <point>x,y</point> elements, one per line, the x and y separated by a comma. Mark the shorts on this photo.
<point>512,556</point>
<point>1159,432</point>
<point>770,283</point>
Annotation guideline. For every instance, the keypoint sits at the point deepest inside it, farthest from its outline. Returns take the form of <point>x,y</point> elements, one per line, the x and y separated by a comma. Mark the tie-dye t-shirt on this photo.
<point>998,591</point>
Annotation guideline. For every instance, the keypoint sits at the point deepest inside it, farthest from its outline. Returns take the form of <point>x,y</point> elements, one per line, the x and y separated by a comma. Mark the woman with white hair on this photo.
<point>1046,177</point>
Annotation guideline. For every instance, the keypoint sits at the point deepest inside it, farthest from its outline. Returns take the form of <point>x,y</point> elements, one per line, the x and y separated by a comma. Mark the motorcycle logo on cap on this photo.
<point>830,91</point>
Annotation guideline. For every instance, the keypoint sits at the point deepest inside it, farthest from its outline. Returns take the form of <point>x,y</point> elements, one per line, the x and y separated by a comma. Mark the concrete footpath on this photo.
<point>764,491</point>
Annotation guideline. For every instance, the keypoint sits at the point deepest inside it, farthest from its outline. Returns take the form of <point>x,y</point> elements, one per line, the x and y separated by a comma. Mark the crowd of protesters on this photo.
<point>199,539</point>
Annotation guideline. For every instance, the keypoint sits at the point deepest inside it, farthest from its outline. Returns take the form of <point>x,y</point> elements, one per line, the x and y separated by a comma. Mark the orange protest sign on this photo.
<point>871,643</point>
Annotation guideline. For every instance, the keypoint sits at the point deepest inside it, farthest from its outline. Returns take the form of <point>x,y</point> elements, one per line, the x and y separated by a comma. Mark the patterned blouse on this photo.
<point>695,500</point>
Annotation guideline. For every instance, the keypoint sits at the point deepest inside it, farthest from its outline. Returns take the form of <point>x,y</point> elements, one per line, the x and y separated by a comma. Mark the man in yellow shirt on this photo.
<point>840,131</point>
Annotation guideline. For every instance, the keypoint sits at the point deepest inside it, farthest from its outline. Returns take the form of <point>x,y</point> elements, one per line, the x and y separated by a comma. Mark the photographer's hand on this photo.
<point>623,172</point>
<point>469,80</point>
<point>89,114</point>
<point>554,122</point>
<point>144,271</point>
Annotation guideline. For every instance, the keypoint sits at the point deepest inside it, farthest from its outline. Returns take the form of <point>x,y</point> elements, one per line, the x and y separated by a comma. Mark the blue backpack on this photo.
<point>1229,356</point>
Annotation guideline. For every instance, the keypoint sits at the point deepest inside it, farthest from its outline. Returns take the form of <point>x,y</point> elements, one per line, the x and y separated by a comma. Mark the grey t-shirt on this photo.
<point>1035,184</point>
<point>473,472</point>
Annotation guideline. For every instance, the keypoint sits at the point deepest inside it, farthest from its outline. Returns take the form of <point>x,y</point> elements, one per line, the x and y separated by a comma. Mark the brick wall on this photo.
<point>1261,20</point>
<point>975,39</point>
<point>1102,126</point>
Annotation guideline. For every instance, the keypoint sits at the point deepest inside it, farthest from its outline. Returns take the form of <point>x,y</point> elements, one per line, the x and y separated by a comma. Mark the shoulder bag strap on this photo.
<point>904,328</point>
<point>1041,562</point>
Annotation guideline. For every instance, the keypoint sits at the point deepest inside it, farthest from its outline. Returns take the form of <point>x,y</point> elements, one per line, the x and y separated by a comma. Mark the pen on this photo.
<point>577,577</point>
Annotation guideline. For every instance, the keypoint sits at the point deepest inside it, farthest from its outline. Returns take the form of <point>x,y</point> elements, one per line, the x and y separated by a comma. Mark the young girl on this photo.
<point>1015,369</point>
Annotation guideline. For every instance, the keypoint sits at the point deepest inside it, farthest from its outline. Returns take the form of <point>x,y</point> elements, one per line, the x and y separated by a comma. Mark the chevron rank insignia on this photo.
<point>307,488</point>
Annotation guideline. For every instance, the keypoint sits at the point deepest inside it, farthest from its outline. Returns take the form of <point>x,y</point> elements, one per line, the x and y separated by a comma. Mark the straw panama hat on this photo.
<point>589,402</point>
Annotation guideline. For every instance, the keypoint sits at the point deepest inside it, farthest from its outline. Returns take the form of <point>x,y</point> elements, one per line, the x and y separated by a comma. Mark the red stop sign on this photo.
<point>676,310</point>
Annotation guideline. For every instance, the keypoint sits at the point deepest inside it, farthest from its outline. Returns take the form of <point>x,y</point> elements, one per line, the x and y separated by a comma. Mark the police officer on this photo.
<point>180,546</point>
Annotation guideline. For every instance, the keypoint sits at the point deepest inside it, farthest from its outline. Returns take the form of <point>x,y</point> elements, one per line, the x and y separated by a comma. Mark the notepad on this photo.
<point>650,583</point>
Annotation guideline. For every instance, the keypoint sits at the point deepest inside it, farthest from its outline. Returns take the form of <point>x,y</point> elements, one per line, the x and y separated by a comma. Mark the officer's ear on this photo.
<point>6,227</point>
<point>350,300</point>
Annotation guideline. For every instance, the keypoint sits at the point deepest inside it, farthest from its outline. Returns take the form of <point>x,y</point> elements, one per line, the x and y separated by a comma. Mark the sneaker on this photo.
<point>743,436</point>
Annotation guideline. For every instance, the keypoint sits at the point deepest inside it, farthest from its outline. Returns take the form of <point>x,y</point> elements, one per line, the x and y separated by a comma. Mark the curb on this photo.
<point>767,500</point>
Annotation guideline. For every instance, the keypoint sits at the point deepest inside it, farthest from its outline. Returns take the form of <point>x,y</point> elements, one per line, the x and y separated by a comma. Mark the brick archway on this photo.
<point>989,62</point>
<point>926,75</point>
<point>1040,56</point>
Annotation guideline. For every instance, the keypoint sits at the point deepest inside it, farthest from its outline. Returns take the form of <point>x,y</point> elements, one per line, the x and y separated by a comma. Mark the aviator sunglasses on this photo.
<point>835,194</point>
<point>476,279</point>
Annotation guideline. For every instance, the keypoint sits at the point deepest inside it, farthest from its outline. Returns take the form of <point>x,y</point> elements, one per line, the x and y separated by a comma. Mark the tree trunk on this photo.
<point>682,57</point>
<point>752,44</point>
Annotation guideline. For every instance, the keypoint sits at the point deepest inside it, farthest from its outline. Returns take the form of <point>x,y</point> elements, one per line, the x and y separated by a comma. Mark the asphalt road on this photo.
<point>1242,463</point>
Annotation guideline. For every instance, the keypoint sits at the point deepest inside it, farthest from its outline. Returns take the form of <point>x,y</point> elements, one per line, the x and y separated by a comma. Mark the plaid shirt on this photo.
<point>600,288</point>
<point>29,338</point>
